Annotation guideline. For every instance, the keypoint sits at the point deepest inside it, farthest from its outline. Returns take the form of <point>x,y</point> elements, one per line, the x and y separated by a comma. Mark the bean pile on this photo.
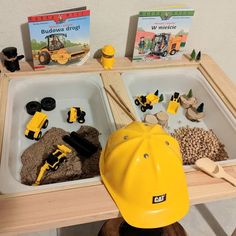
<point>196,143</point>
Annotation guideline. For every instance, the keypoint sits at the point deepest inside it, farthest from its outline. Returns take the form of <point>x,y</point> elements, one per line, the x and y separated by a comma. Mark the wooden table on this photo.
<point>66,206</point>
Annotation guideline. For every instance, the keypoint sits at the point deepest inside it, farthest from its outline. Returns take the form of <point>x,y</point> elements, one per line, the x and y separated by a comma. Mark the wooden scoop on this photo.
<point>214,169</point>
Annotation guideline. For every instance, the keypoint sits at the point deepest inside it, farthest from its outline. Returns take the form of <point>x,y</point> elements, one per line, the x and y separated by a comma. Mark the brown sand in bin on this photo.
<point>34,157</point>
<point>196,143</point>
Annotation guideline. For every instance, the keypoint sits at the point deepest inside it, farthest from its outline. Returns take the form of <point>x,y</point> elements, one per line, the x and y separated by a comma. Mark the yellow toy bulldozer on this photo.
<point>174,103</point>
<point>53,161</point>
<point>55,50</point>
<point>148,101</point>
<point>74,114</point>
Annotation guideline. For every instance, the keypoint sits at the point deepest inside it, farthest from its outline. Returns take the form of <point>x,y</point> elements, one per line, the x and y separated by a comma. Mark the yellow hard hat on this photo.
<point>141,167</point>
<point>108,50</point>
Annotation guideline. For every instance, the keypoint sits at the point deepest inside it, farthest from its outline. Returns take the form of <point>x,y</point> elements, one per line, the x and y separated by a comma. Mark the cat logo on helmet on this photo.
<point>158,199</point>
<point>150,191</point>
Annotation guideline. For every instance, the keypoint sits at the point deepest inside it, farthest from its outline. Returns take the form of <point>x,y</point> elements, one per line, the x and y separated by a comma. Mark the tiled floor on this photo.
<point>213,219</point>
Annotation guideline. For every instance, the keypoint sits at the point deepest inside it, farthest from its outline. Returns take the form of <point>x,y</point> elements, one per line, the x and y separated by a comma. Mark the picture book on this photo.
<point>162,34</point>
<point>60,38</point>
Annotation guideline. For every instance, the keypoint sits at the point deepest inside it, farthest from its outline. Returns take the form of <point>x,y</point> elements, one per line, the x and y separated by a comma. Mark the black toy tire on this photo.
<point>44,58</point>
<point>164,54</point>
<point>83,113</point>
<point>143,109</point>
<point>136,101</point>
<point>150,107</point>
<point>45,125</point>
<point>32,107</point>
<point>81,121</point>
<point>172,52</point>
<point>30,135</point>
<point>48,103</point>
<point>39,136</point>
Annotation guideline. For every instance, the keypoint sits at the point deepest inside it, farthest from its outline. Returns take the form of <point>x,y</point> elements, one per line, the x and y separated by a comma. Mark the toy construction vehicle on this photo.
<point>164,44</point>
<point>34,126</point>
<point>174,103</point>
<point>148,101</point>
<point>53,161</point>
<point>55,50</point>
<point>76,114</point>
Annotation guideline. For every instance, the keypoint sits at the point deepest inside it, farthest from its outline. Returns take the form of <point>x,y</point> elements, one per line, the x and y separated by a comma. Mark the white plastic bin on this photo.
<point>170,80</point>
<point>82,90</point>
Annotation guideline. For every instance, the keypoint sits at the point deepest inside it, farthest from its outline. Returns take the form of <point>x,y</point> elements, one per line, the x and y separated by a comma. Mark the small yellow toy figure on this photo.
<point>107,58</point>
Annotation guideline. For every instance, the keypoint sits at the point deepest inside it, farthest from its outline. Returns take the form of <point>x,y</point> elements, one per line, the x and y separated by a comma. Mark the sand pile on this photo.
<point>73,168</point>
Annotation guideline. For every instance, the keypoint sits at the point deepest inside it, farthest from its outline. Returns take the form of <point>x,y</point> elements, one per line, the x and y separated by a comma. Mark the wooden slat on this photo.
<point>114,78</point>
<point>94,65</point>
<point>4,81</point>
<point>87,204</point>
<point>223,86</point>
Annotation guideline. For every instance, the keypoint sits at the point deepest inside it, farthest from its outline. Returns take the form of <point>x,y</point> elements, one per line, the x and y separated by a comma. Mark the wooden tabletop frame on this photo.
<point>55,208</point>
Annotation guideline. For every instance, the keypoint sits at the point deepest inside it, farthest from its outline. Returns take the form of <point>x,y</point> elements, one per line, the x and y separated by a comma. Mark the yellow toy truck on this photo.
<point>55,50</point>
<point>174,103</point>
<point>53,161</point>
<point>148,101</point>
<point>34,126</point>
<point>76,114</point>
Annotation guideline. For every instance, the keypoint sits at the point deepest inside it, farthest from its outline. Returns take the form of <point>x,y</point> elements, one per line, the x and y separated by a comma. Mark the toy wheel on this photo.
<point>48,103</point>
<point>45,125</point>
<point>150,107</point>
<point>62,58</point>
<point>63,159</point>
<point>172,52</point>
<point>143,109</point>
<point>83,113</point>
<point>30,135</point>
<point>44,58</point>
<point>81,120</point>
<point>164,54</point>
<point>68,118</point>
<point>39,136</point>
<point>136,101</point>
<point>32,107</point>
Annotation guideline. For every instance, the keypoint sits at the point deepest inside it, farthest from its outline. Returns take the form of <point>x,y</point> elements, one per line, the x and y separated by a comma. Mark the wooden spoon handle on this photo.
<point>229,178</point>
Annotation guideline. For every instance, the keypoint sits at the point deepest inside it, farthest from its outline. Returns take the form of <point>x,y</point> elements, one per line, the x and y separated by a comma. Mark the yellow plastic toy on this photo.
<point>148,101</point>
<point>141,167</point>
<point>34,126</point>
<point>107,58</point>
<point>76,114</point>
<point>174,104</point>
<point>53,161</point>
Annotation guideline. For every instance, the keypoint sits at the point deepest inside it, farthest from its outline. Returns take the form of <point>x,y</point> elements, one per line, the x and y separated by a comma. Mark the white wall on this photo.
<point>213,30</point>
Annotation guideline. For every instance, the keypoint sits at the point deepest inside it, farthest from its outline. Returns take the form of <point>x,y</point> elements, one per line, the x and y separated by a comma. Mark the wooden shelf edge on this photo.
<point>87,204</point>
<point>93,65</point>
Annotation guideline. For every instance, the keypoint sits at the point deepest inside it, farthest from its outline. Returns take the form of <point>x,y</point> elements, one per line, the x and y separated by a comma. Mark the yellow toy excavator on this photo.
<point>53,161</point>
